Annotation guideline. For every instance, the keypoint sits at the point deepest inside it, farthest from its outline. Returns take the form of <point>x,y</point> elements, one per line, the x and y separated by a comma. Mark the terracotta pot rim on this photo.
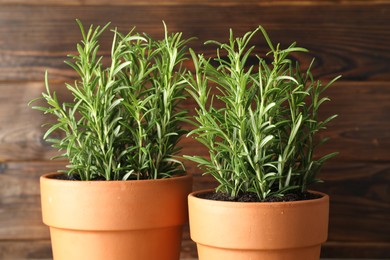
<point>115,205</point>
<point>236,204</point>
<point>47,177</point>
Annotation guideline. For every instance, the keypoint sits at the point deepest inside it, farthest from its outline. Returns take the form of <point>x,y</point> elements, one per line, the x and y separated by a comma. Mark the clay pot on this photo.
<point>258,230</point>
<point>121,220</point>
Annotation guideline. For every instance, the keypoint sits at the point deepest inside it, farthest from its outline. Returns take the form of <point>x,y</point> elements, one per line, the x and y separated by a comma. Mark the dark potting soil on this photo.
<point>72,177</point>
<point>252,197</point>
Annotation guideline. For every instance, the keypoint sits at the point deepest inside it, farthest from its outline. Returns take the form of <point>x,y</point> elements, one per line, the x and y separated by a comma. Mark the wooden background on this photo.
<point>347,37</point>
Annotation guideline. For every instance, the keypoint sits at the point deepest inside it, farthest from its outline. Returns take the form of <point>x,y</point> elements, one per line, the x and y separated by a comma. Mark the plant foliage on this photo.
<point>262,138</point>
<point>123,122</point>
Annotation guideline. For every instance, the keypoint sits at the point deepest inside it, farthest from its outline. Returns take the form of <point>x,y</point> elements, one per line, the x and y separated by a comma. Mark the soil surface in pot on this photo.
<point>73,177</point>
<point>252,197</point>
<point>76,177</point>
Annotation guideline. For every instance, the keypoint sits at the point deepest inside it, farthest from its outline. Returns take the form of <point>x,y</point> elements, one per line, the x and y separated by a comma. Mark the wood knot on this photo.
<point>3,167</point>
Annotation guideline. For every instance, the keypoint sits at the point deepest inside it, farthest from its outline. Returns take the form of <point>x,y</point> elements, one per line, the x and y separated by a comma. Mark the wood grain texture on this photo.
<point>359,133</point>
<point>20,217</point>
<point>360,199</point>
<point>24,249</point>
<point>338,250</point>
<point>348,37</point>
<point>345,39</point>
<point>184,2</point>
<point>21,129</point>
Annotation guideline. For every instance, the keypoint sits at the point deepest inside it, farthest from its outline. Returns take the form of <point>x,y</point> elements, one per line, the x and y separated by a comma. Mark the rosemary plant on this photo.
<point>262,138</point>
<point>124,120</point>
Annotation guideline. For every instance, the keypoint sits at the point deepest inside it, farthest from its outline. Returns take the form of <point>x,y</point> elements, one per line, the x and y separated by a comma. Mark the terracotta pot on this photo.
<point>119,220</point>
<point>258,230</point>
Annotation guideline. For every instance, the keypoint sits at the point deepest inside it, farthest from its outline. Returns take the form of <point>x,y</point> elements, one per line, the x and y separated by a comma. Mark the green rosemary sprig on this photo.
<point>262,139</point>
<point>124,120</point>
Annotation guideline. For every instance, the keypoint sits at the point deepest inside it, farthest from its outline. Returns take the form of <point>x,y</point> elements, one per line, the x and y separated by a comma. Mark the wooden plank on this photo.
<point>20,126</point>
<point>360,207</point>
<point>360,132</point>
<point>341,250</point>
<point>20,209</point>
<point>360,201</point>
<point>25,249</point>
<point>345,39</point>
<point>186,2</point>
